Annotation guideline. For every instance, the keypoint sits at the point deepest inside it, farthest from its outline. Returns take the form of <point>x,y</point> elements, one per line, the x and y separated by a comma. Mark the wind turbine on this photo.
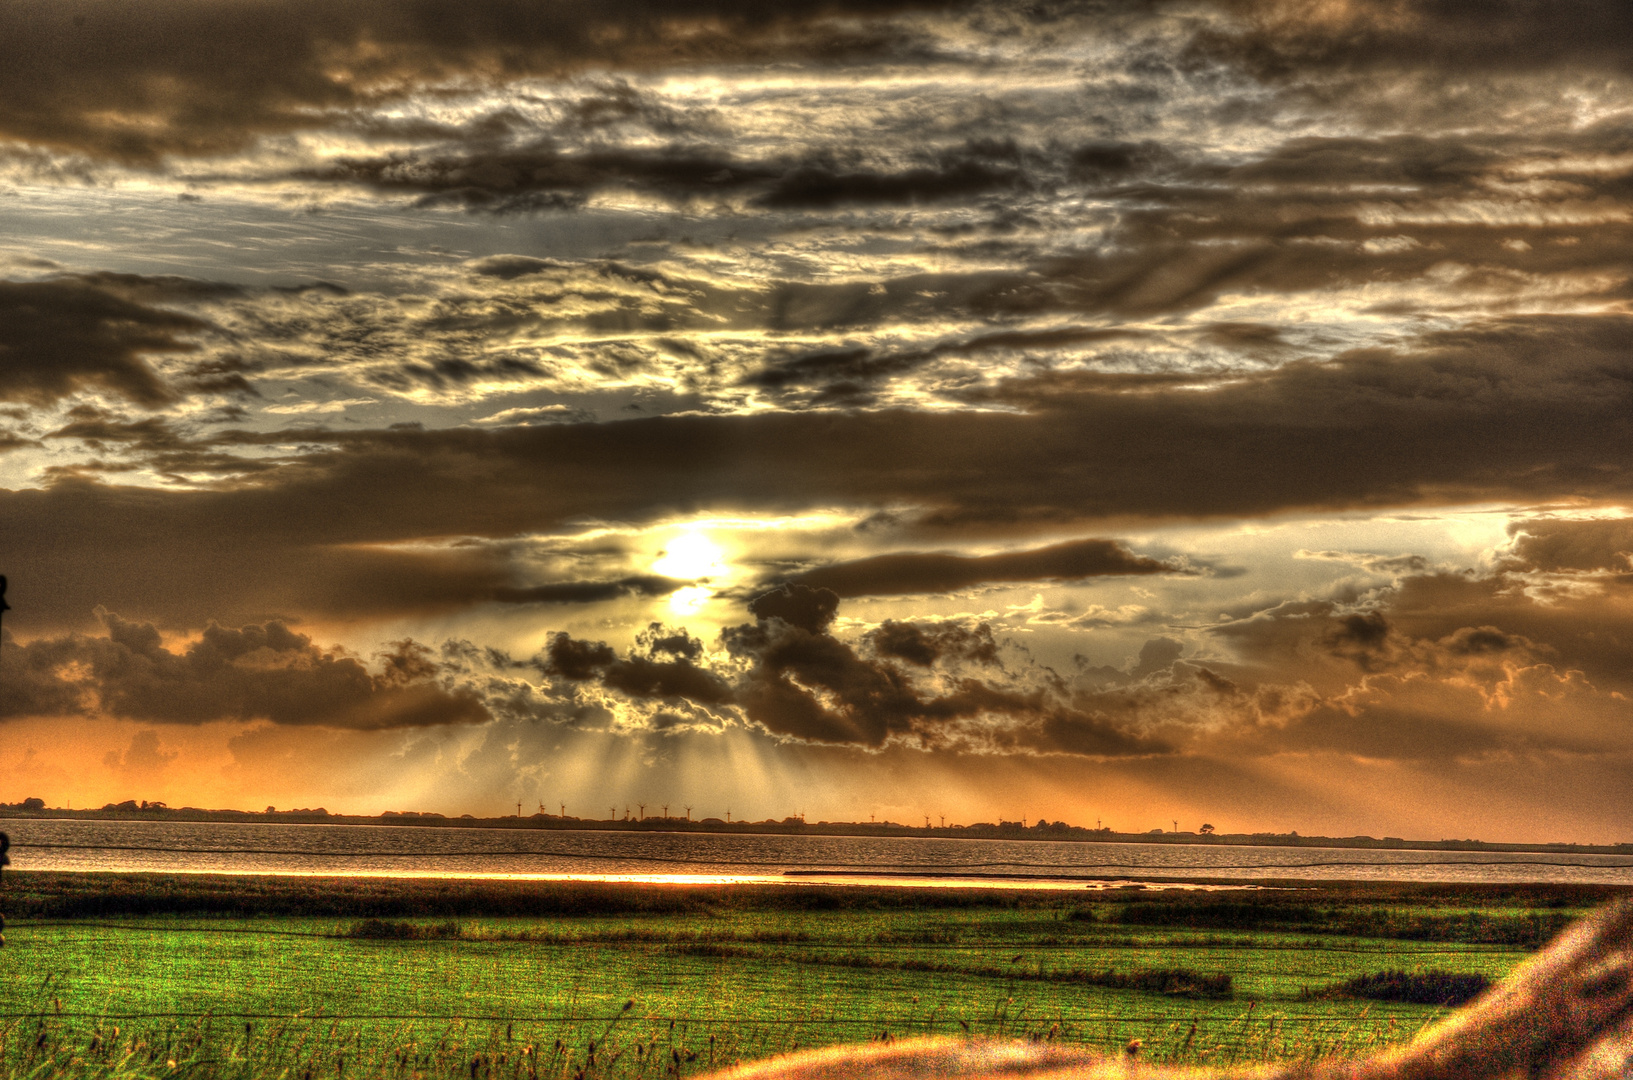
<point>688,813</point>
<point>666,811</point>
<point>642,805</point>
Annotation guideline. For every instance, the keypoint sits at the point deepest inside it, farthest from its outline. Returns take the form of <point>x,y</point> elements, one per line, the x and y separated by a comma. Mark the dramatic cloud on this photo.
<point>60,337</point>
<point>543,176</point>
<point>924,645</point>
<point>183,78</point>
<point>1284,38</point>
<point>588,592</point>
<point>1519,409</point>
<point>1573,545</point>
<point>538,333</point>
<point>789,675</point>
<point>640,676</point>
<point>927,572</point>
<point>249,673</point>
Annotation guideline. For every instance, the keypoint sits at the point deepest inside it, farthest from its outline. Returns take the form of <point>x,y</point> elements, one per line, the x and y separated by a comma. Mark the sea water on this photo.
<point>454,852</point>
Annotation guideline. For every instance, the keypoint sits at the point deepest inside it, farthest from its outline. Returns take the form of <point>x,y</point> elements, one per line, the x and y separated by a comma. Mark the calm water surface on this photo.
<point>420,851</point>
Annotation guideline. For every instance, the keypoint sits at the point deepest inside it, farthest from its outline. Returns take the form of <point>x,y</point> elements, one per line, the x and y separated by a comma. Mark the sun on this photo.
<point>690,556</point>
<point>690,600</point>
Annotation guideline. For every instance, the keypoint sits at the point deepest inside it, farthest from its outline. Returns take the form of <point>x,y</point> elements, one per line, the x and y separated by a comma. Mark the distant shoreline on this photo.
<point>1057,832</point>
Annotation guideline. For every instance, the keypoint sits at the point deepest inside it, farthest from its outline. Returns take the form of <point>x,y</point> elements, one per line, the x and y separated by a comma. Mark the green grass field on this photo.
<point>641,985</point>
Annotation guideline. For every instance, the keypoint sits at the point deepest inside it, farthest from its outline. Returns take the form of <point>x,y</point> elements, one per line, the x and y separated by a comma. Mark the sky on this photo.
<point>1146,414</point>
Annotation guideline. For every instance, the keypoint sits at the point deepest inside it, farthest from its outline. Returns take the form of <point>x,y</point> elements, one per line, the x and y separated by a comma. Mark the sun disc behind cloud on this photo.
<point>690,600</point>
<point>690,556</point>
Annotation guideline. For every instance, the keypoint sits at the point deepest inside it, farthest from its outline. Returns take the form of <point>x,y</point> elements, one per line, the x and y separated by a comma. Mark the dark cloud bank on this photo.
<point>785,673</point>
<point>1515,410</point>
<point>192,77</point>
<point>189,77</point>
<point>61,337</point>
<point>249,673</point>
<point>929,572</point>
<point>1439,666</point>
<point>1526,409</point>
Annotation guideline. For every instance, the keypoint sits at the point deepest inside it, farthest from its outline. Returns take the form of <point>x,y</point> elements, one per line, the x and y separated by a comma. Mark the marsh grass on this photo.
<point>444,983</point>
<point>617,1048</point>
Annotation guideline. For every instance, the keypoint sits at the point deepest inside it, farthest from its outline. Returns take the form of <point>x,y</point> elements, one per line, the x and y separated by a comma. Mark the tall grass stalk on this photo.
<point>629,1048</point>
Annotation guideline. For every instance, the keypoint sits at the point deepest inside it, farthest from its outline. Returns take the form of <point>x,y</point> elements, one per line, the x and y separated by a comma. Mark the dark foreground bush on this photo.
<point>1527,931</point>
<point>393,930</point>
<point>1175,982</point>
<point>1415,987</point>
<point>1218,915</point>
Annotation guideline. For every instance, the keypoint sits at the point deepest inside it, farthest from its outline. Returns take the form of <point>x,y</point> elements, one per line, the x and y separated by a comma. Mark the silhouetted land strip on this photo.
<point>1486,913</point>
<point>1050,831</point>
